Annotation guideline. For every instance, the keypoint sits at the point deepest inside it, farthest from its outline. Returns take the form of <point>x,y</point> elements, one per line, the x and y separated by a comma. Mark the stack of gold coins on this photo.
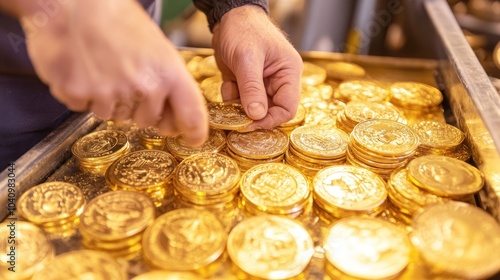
<point>344,190</point>
<point>366,248</point>
<point>83,264</point>
<point>361,90</point>
<point>274,188</point>
<point>114,222</point>
<point>342,70</point>
<point>150,138</point>
<point>359,111</point>
<point>207,178</point>
<point>458,240</point>
<point>445,176</point>
<point>313,74</point>
<point>270,247</point>
<point>190,240</point>
<point>146,171</point>
<point>315,147</point>
<point>297,120</point>
<point>418,101</point>
<point>440,139</point>
<point>24,250</point>
<point>381,146</point>
<point>227,116</point>
<point>53,206</point>
<point>257,147</point>
<point>97,150</point>
<point>215,143</point>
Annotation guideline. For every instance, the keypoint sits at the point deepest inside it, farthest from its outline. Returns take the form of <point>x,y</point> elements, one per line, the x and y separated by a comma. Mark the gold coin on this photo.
<point>367,159</point>
<point>227,116</point>
<point>312,74</point>
<point>350,188</point>
<point>117,215</point>
<point>51,202</point>
<point>193,66</point>
<point>445,176</point>
<point>270,247</point>
<point>250,161</point>
<point>23,248</point>
<point>184,240</point>
<point>368,248</point>
<point>142,170</point>
<point>298,119</point>
<point>207,174</point>
<point>215,143</point>
<point>359,111</point>
<point>385,137</point>
<point>99,144</point>
<point>340,70</point>
<point>211,88</point>
<point>151,133</point>
<point>361,90</point>
<point>415,95</point>
<point>258,144</point>
<point>275,188</point>
<point>319,141</point>
<point>83,264</point>
<point>167,275</point>
<point>458,238</point>
<point>438,135</point>
<point>208,66</point>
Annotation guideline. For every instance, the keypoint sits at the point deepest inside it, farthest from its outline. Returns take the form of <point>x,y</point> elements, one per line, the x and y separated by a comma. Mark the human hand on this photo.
<point>110,58</point>
<point>260,68</point>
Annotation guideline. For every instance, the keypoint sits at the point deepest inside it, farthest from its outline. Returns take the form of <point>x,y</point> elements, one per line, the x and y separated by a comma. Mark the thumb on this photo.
<point>249,77</point>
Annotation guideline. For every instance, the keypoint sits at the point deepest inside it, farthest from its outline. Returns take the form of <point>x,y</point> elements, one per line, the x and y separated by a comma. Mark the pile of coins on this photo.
<point>257,147</point>
<point>440,139</point>
<point>53,206</point>
<point>315,147</point>
<point>178,147</point>
<point>361,90</point>
<point>381,146</point>
<point>115,221</point>
<point>274,188</point>
<point>270,247</point>
<point>207,178</point>
<point>96,151</point>
<point>344,191</point>
<point>358,111</point>
<point>146,171</point>
<point>150,138</point>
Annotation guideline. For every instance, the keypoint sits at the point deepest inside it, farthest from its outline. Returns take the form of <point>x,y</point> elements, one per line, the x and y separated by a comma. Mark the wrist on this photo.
<point>240,14</point>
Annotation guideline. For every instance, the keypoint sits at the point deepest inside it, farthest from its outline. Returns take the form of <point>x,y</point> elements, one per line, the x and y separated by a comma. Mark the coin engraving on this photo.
<point>360,111</point>
<point>259,143</point>
<point>99,144</point>
<point>230,116</point>
<point>437,134</point>
<point>178,146</point>
<point>319,141</point>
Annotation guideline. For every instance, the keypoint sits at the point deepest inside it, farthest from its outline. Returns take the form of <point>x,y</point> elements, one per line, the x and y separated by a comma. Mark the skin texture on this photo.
<point>123,67</point>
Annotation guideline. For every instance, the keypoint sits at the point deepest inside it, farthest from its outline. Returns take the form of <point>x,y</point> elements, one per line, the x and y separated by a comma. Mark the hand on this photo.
<point>259,66</point>
<point>110,58</point>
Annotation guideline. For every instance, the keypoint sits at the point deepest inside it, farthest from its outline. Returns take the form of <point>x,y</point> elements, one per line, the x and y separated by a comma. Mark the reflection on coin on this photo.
<point>179,148</point>
<point>319,141</point>
<point>99,144</point>
<point>297,119</point>
<point>438,135</point>
<point>312,74</point>
<point>445,176</point>
<point>117,215</point>
<point>32,250</point>
<point>361,90</point>
<point>368,248</point>
<point>359,111</point>
<point>51,202</point>
<point>258,144</point>
<point>228,116</point>
<point>458,238</point>
<point>184,240</point>
<point>340,70</point>
<point>167,275</point>
<point>83,264</point>
<point>414,95</point>
<point>270,247</point>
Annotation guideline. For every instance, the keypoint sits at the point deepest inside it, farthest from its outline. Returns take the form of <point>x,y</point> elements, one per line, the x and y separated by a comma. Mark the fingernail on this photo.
<point>256,110</point>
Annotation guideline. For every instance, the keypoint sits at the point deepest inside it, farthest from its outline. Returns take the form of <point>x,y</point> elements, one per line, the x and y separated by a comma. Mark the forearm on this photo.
<point>215,9</point>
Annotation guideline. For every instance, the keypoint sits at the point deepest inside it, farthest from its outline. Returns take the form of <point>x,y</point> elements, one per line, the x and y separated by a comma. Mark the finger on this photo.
<point>229,91</point>
<point>166,124</point>
<point>249,77</point>
<point>103,104</point>
<point>76,102</point>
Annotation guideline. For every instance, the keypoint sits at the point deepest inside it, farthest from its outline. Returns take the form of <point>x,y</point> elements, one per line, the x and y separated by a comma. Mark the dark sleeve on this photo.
<point>215,9</point>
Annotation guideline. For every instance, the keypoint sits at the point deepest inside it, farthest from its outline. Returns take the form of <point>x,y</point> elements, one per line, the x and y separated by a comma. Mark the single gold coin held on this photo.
<point>459,239</point>
<point>99,144</point>
<point>270,247</point>
<point>258,144</point>
<point>227,116</point>
<point>185,239</point>
<point>445,176</point>
<point>51,202</point>
<point>368,248</point>
<point>319,141</point>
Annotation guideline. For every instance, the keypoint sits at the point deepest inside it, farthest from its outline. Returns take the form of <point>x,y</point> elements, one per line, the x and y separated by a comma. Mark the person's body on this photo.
<point>108,57</point>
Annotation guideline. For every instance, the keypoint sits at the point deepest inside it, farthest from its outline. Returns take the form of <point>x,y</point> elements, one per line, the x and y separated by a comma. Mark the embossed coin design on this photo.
<point>184,240</point>
<point>445,176</point>
<point>51,202</point>
<point>361,90</point>
<point>369,248</point>
<point>258,144</point>
<point>359,111</point>
<point>227,116</point>
<point>270,247</point>
<point>414,95</point>
<point>179,148</point>
<point>438,135</point>
<point>99,144</point>
<point>458,238</point>
<point>319,141</point>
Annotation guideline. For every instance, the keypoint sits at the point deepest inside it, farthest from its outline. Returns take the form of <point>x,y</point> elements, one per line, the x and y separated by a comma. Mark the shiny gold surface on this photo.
<point>413,95</point>
<point>258,144</point>
<point>180,149</point>
<point>319,141</point>
<point>228,116</point>
<point>166,275</point>
<point>341,70</point>
<point>313,74</point>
